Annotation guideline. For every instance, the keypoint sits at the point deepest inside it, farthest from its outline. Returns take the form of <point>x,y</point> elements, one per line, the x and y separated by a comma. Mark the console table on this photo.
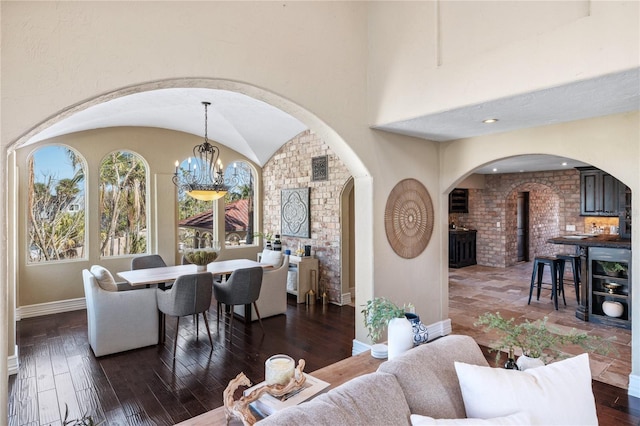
<point>334,374</point>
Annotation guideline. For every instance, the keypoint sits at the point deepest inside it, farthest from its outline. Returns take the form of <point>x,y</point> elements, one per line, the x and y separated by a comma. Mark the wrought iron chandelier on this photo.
<point>204,179</point>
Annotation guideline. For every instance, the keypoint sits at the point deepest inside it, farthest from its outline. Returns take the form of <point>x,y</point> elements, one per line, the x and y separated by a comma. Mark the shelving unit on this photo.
<point>459,201</point>
<point>598,293</point>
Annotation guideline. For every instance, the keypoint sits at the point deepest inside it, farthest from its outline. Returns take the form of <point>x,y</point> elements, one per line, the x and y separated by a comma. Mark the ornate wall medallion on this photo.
<point>408,218</point>
<point>295,213</point>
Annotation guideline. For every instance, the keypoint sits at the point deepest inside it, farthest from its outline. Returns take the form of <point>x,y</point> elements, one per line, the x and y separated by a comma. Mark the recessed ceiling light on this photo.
<point>490,120</point>
<point>495,170</point>
<point>564,164</point>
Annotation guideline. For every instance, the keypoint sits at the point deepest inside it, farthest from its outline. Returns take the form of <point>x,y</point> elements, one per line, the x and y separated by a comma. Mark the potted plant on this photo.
<point>380,313</point>
<point>613,269</point>
<point>535,340</point>
<point>200,257</point>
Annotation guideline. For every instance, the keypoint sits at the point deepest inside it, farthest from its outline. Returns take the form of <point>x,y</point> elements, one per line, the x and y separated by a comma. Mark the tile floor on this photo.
<point>474,290</point>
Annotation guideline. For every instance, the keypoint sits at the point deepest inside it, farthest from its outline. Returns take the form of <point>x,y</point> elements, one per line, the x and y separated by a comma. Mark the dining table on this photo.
<point>166,274</point>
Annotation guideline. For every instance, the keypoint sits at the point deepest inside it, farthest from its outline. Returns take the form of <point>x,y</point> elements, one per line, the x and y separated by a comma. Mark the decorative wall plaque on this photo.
<point>295,220</point>
<point>320,168</point>
<point>408,218</point>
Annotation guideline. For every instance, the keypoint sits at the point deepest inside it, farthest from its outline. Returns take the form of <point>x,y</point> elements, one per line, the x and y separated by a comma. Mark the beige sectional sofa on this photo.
<point>447,380</point>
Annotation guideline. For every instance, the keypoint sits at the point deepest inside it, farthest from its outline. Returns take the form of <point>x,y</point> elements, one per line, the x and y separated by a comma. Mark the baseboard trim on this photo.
<point>634,385</point>
<point>12,363</point>
<point>49,308</point>
<point>436,330</point>
<point>345,299</point>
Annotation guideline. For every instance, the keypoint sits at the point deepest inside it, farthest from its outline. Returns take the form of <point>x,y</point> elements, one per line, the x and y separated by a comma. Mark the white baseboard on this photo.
<point>12,363</point>
<point>634,385</point>
<point>346,299</point>
<point>48,308</point>
<point>438,329</point>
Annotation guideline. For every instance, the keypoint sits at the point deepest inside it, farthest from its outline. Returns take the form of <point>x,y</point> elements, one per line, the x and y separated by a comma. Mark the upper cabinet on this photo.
<point>599,193</point>
<point>459,201</point>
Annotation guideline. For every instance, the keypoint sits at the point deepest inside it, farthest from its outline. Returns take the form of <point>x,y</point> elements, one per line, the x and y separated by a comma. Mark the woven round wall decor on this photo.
<point>408,218</point>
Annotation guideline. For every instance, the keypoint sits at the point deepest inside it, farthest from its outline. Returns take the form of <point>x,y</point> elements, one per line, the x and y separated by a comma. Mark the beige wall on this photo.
<point>339,67</point>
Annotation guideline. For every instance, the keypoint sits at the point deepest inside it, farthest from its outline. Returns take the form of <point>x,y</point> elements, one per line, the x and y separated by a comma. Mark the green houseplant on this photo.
<point>377,314</point>
<point>613,269</point>
<point>535,339</point>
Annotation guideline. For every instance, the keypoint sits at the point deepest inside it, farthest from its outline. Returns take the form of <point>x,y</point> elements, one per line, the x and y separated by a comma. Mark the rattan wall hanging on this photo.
<point>408,218</point>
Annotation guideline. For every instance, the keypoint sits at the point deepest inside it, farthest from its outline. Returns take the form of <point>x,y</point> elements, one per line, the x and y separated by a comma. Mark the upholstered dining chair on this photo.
<point>189,295</point>
<point>242,288</point>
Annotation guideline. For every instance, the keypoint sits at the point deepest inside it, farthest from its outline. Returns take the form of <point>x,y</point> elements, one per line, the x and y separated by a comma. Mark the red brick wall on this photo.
<point>554,202</point>
<point>290,167</point>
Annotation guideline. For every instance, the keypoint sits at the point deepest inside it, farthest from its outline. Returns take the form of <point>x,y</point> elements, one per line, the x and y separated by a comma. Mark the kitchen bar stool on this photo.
<point>555,265</point>
<point>574,259</point>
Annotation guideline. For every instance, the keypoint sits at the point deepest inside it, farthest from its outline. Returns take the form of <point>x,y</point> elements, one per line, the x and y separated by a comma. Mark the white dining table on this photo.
<point>166,274</point>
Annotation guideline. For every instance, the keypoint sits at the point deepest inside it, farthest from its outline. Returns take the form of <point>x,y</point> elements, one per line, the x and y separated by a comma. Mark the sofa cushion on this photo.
<point>104,278</point>
<point>271,257</point>
<point>371,399</point>
<point>556,394</point>
<point>428,377</point>
<point>521,418</point>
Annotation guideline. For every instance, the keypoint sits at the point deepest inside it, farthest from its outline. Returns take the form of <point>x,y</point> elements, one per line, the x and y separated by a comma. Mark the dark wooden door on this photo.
<point>522,220</point>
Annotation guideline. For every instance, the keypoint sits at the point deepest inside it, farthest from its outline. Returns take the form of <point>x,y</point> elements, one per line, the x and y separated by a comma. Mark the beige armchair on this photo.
<point>118,321</point>
<point>273,295</point>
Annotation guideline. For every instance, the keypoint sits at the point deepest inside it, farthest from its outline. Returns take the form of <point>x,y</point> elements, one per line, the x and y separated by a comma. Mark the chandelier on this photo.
<point>203,179</point>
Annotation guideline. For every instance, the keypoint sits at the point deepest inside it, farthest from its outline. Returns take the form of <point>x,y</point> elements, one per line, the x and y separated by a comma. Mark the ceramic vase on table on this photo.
<point>400,336</point>
<point>525,362</point>
<point>201,268</point>
<point>420,332</point>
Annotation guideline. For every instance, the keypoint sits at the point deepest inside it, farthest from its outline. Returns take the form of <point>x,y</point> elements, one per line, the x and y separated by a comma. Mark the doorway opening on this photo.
<point>522,226</point>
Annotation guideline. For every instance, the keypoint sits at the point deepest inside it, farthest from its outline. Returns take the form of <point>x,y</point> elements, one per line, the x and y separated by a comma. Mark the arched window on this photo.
<point>123,204</point>
<point>239,204</point>
<point>56,204</point>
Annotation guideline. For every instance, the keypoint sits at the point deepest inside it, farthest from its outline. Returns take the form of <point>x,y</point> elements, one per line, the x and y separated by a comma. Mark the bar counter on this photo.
<point>583,242</point>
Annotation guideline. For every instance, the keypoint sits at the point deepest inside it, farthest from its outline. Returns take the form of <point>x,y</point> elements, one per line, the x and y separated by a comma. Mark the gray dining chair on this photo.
<point>189,295</point>
<point>242,288</point>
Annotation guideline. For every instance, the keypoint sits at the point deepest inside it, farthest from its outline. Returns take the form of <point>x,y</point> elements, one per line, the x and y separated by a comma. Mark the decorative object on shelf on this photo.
<point>420,332</point>
<point>408,218</point>
<point>267,238</point>
<point>295,212</point>
<point>612,287</point>
<point>612,308</point>
<point>320,168</point>
<point>277,244</point>
<point>380,313</point>
<point>204,180</point>
<point>240,408</point>
<point>613,269</point>
<point>307,250</point>
<point>200,257</point>
<point>511,361</point>
<point>535,340</point>
<point>379,351</point>
<point>526,362</point>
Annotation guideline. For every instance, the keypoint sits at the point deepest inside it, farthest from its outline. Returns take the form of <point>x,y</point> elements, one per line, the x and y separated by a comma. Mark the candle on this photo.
<point>279,370</point>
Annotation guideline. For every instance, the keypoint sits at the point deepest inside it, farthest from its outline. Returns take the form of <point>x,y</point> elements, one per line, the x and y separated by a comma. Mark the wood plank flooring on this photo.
<point>144,387</point>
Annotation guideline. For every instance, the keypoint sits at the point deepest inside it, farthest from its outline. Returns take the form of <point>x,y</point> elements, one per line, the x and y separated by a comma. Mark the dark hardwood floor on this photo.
<point>144,387</point>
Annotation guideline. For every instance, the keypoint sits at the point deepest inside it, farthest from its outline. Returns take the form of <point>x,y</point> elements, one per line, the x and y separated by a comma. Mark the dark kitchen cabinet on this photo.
<point>462,248</point>
<point>609,288</point>
<point>459,201</point>
<point>599,193</point>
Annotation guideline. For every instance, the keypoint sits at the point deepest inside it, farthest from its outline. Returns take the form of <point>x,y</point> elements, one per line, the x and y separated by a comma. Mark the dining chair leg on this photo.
<point>231,324</point>
<point>175,340</point>
<point>196,318</point>
<point>218,307</point>
<point>206,323</point>
<point>258,315</point>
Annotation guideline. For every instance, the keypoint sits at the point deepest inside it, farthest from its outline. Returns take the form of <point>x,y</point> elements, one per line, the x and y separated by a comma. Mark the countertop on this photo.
<point>462,230</point>
<point>604,240</point>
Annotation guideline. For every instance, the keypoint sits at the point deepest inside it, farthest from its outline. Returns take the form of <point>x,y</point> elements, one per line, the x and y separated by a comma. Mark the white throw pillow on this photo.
<point>271,257</point>
<point>556,394</point>
<point>104,278</point>
<point>521,418</point>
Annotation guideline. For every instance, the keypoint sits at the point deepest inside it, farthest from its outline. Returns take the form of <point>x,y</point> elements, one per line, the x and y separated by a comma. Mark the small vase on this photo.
<point>420,332</point>
<point>525,362</point>
<point>400,336</point>
<point>511,362</point>
<point>201,268</point>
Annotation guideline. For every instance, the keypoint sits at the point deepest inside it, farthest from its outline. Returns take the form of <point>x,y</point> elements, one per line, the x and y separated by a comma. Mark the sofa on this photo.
<point>449,381</point>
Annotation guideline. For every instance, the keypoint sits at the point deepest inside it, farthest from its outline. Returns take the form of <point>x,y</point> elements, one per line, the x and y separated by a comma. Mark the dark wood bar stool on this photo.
<point>574,259</point>
<point>556,265</point>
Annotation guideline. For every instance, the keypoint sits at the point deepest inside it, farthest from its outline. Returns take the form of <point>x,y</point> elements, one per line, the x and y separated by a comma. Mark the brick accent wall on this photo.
<point>554,202</point>
<point>290,167</point>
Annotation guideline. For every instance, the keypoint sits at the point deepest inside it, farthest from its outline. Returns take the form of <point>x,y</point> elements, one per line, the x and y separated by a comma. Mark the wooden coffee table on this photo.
<point>334,374</point>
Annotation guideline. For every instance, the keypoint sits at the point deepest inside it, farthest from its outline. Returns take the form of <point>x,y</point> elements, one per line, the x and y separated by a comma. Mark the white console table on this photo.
<point>307,268</point>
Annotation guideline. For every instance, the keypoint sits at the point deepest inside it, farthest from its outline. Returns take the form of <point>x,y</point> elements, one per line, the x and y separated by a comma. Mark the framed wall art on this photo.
<point>295,213</point>
<point>320,168</point>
